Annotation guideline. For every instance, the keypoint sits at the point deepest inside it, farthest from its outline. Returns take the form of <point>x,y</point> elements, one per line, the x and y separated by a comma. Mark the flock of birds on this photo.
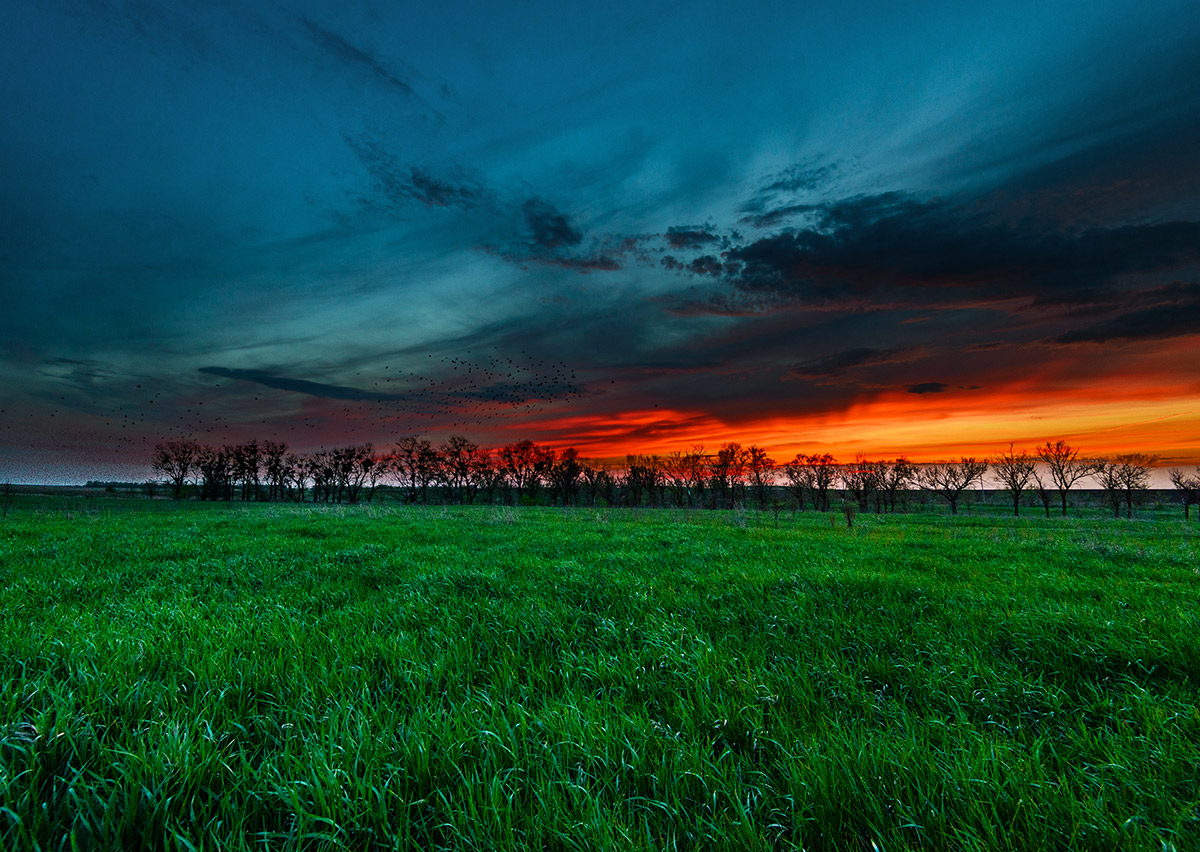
<point>453,393</point>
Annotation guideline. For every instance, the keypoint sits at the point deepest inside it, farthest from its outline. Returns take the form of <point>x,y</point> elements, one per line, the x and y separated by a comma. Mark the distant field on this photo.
<point>322,678</point>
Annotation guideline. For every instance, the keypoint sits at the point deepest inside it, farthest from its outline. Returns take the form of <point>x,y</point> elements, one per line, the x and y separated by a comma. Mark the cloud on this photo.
<point>548,237</point>
<point>776,198</point>
<point>396,183</point>
<point>802,177</point>
<point>549,228</point>
<point>776,215</point>
<point>928,387</point>
<point>342,50</point>
<point>682,237</point>
<point>1176,314</point>
<point>838,363</point>
<point>905,247</point>
<point>317,389</point>
<point>708,265</point>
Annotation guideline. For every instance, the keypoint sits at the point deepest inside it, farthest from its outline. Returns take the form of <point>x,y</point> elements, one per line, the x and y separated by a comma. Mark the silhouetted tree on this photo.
<point>949,480</point>
<point>416,465</point>
<point>296,475</point>
<point>175,460</point>
<point>523,465</point>
<point>727,474</point>
<point>1065,466</point>
<point>274,456</point>
<point>485,476</point>
<point>215,469</point>
<point>760,467</point>
<point>322,472</point>
<point>1041,489</point>
<point>598,484</point>
<point>564,476</point>
<point>684,473</point>
<point>643,480</point>
<point>1188,488</point>
<point>895,477</point>
<point>814,475</point>
<point>458,457</point>
<point>245,464</point>
<point>860,479</point>
<point>1014,470</point>
<point>1122,477</point>
<point>361,470</point>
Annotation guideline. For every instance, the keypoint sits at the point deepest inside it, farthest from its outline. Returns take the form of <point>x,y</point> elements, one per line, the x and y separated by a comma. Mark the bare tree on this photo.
<point>1122,477</point>
<point>215,468</point>
<point>175,460</point>
<point>1041,489</point>
<point>564,475</point>
<point>684,472</point>
<point>813,475</point>
<point>1188,488</point>
<point>415,462</point>
<point>368,469</point>
<point>1066,467</point>
<point>1014,470</point>
<point>486,476</point>
<point>797,480</point>
<point>643,480</point>
<point>459,456</point>
<point>895,477</point>
<point>760,467</point>
<point>949,480</point>
<point>322,472</point>
<point>523,465</point>
<point>727,472</point>
<point>860,478</point>
<point>296,476</point>
<point>274,465</point>
<point>245,467</point>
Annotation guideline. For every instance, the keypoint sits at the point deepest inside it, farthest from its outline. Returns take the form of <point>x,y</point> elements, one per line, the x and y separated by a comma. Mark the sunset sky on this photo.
<point>929,228</point>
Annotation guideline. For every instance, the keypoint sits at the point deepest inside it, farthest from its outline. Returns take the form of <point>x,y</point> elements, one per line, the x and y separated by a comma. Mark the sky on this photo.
<point>929,228</point>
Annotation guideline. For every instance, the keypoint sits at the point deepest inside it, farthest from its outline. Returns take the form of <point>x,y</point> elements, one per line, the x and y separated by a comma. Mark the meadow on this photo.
<point>284,677</point>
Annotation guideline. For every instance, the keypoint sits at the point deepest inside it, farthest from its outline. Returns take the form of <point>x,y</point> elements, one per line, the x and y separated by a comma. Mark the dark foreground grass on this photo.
<point>294,678</point>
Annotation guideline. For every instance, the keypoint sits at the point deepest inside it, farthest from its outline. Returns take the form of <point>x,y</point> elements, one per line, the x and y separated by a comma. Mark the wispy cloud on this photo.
<point>303,386</point>
<point>342,50</point>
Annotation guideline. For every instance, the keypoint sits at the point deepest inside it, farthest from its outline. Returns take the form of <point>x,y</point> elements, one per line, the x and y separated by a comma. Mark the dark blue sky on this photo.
<point>627,226</point>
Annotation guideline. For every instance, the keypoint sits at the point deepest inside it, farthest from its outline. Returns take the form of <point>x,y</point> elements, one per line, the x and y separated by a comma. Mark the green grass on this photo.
<point>284,677</point>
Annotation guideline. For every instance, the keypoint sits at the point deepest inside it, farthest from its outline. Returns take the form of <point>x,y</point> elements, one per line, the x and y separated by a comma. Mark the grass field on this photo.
<point>295,677</point>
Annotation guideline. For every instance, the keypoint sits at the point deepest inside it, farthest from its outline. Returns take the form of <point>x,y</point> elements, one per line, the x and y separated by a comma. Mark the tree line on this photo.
<point>458,470</point>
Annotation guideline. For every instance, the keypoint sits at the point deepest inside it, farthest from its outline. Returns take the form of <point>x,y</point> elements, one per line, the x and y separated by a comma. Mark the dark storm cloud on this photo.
<point>838,363</point>
<point>895,243</point>
<point>317,389</point>
<point>1174,312</point>
<point>928,387</point>
<point>341,49</point>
